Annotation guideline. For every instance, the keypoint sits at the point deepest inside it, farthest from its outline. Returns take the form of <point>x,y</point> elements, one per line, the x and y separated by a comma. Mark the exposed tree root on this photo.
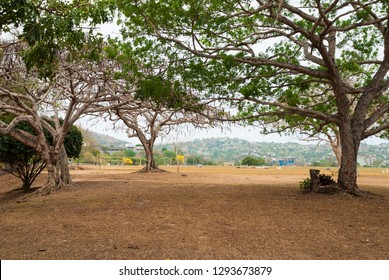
<point>355,192</point>
<point>361,193</point>
<point>151,170</point>
<point>336,189</point>
<point>52,187</point>
<point>46,189</point>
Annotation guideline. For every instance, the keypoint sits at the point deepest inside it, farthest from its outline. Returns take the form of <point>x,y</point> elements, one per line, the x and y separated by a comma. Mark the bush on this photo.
<point>305,185</point>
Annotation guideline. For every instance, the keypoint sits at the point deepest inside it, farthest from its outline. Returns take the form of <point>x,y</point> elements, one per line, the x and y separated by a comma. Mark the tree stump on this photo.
<point>314,173</point>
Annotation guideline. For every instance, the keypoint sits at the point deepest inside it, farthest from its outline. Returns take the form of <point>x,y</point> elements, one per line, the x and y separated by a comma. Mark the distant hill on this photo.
<point>102,139</point>
<point>233,149</point>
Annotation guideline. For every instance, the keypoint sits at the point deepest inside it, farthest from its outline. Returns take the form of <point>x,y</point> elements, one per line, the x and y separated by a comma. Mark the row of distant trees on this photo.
<point>94,154</point>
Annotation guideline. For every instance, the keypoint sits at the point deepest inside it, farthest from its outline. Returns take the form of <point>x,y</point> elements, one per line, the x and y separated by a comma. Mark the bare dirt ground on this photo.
<point>200,213</point>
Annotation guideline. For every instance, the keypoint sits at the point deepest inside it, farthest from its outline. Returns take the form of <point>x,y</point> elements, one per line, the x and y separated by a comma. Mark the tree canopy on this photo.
<point>286,63</point>
<point>49,26</point>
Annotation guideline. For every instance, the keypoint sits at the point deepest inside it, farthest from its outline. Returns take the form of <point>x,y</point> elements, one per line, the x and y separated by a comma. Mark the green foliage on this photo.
<point>73,142</point>
<point>129,153</point>
<point>310,78</point>
<point>26,163</point>
<point>50,26</point>
<point>327,162</point>
<point>169,154</point>
<point>88,157</point>
<point>11,150</point>
<point>305,185</point>
<point>163,93</point>
<point>15,12</point>
<point>253,161</point>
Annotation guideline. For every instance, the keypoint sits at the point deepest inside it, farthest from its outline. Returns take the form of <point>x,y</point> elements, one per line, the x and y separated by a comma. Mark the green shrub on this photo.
<point>305,185</point>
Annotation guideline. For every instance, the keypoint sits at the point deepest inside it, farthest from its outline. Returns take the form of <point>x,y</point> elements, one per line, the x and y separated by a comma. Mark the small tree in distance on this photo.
<point>252,161</point>
<point>180,160</point>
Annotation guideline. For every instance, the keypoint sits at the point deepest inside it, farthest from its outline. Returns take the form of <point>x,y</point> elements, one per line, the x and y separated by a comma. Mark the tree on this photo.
<point>78,83</point>
<point>129,153</point>
<point>24,161</point>
<point>49,36</point>
<point>154,98</point>
<point>180,159</point>
<point>285,60</point>
<point>252,161</point>
<point>155,108</point>
<point>88,157</point>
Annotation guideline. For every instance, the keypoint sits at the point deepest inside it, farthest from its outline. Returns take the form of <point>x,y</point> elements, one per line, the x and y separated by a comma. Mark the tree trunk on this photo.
<point>58,175</point>
<point>64,165</point>
<point>314,175</point>
<point>336,145</point>
<point>347,178</point>
<point>150,163</point>
<point>148,146</point>
<point>337,149</point>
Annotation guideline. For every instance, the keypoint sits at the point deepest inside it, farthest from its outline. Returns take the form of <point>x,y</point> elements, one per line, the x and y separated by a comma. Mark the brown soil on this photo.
<point>200,213</point>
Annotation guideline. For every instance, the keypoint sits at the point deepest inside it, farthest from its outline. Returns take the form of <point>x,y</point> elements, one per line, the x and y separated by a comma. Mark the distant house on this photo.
<point>129,146</point>
<point>228,163</point>
<point>139,148</point>
<point>287,161</point>
<point>112,150</point>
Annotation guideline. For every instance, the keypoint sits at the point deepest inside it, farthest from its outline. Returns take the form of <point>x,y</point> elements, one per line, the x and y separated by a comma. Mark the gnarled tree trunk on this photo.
<point>58,175</point>
<point>148,145</point>
<point>347,177</point>
<point>64,165</point>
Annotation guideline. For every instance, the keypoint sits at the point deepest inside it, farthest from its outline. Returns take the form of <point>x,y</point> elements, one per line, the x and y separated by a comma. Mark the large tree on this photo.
<point>51,68</point>
<point>154,98</point>
<point>156,107</point>
<point>51,105</point>
<point>326,60</point>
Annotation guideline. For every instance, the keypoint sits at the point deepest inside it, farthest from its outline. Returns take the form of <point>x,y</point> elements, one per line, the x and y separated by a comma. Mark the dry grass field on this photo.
<point>199,213</point>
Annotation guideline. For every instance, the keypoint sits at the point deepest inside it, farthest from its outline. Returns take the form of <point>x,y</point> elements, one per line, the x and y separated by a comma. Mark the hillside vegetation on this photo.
<point>234,150</point>
<point>226,149</point>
